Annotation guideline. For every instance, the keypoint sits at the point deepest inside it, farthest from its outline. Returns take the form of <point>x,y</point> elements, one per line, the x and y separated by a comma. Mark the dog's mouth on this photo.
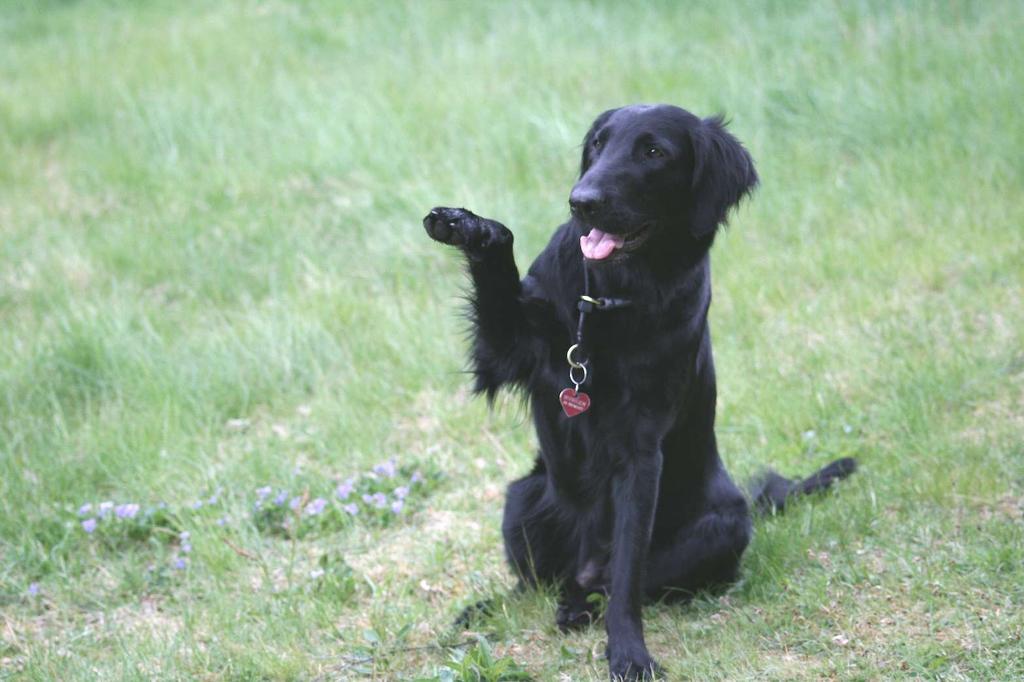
<point>599,245</point>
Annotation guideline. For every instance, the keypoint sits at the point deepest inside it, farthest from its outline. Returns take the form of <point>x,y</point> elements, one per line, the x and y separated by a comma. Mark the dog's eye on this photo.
<point>598,144</point>
<point>653,152</point>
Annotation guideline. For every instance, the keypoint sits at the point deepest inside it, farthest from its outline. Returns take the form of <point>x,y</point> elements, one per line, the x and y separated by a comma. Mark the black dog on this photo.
<point>628,495</point>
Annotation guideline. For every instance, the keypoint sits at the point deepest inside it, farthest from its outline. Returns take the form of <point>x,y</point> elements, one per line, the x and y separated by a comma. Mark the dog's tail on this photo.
<point>771,491</point>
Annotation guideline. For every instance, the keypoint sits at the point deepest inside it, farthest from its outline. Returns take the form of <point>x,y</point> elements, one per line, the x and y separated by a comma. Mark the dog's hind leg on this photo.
<point>701,555</point>
<point>575,608</point>
<point>537,536</point>
<point>544,544</point>
<point>535,541</point>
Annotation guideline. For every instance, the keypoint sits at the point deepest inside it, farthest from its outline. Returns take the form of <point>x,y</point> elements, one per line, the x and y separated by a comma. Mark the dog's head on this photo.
<point>656,174</point>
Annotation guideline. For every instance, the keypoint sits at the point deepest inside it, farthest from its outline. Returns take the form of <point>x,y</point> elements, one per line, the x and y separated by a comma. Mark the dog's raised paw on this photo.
<point>464,229</point>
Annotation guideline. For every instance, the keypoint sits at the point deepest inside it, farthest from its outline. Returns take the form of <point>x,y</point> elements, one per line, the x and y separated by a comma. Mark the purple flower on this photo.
<point>184,536</point>
<point>105,508</point>
<point>180,563</point>
<point>344,489</point>
<point>352,508</point>
<point>316,506</point>
<point>222,521</point>
<point>85,509</point>
<point>294,504</point>
<point>397,505</point>
<point>33,589</point>
<point>198,504</point>
<point>126,511</point>
<point>378,500</point>
<point>401,492</point>
<point>386,469</point>
<point>417,477</point>
<point>264,491</point>
<point>89,525</point>
<point>281,498</point>
<point>186,547</point>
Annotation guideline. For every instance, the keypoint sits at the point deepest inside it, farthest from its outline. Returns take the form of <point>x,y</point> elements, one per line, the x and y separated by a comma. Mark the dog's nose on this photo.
<point>584,202</point>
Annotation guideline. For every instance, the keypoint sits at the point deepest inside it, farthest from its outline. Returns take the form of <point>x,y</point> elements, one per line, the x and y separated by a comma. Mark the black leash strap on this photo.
<point>588,304</point>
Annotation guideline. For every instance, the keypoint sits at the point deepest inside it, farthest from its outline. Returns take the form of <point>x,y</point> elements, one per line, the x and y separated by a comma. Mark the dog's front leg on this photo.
<point>502,349</point>
<point>634,496</point>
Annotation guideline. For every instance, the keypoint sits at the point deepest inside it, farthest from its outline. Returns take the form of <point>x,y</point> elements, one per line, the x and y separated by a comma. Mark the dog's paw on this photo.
<point>466,230</point>
<point>575,616</point>
<point>632,666</point>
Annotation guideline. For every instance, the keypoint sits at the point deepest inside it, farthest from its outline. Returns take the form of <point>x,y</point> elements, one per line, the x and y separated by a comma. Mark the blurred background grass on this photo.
<point>211,212</point>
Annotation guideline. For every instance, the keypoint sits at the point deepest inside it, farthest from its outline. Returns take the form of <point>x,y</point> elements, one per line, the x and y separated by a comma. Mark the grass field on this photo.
<point>217,303</point>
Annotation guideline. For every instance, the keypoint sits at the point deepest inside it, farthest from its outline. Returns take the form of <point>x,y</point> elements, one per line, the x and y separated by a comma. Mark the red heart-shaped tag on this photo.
<point>573,402</point>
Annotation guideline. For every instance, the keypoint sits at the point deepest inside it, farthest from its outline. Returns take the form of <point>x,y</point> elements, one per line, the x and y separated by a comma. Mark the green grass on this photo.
<point>213,276</point>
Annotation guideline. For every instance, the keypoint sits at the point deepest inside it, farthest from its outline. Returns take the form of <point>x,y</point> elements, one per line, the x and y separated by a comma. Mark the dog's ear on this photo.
<point>723,173</point>
<point>588,141</point>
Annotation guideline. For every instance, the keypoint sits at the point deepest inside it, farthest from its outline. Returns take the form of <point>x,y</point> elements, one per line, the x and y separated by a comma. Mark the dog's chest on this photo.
<point>636,357</point>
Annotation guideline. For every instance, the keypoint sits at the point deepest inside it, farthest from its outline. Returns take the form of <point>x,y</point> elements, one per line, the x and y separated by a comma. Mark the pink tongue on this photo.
<point>598,245</point>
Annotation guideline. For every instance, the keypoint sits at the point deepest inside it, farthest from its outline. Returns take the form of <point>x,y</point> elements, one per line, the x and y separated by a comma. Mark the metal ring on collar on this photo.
<point>568,356</point>
<point>572,377</point>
